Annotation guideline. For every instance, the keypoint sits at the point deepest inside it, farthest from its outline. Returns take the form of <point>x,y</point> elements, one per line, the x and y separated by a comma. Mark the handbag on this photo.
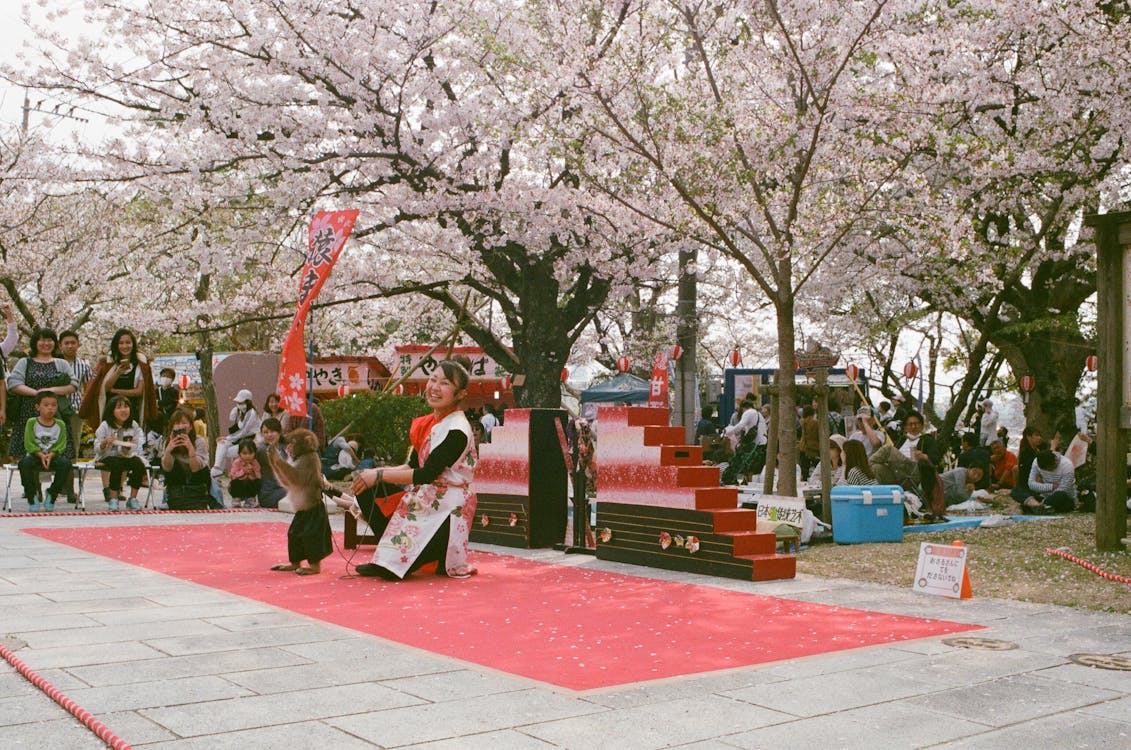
<point>65,410</point>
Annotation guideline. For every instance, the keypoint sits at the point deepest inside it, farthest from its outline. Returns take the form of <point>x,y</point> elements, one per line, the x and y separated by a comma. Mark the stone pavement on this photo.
<point>171,664</point>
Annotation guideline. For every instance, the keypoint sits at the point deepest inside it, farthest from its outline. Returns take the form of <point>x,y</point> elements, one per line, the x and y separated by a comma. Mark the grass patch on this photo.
<point>1004,563</point>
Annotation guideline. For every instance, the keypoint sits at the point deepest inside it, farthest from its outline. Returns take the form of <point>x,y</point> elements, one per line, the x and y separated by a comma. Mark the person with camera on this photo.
<point>185,465</point>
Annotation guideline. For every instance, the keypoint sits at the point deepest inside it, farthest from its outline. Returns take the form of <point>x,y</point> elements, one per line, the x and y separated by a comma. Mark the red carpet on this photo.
<point>575,628</point>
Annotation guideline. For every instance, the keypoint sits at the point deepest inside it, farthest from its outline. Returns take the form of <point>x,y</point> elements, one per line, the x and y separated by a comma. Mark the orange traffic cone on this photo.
<point>967,592</point>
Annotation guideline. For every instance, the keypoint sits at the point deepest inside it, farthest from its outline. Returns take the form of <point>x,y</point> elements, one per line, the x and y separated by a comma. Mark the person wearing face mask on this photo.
<point>245,423</point>
<point>168,394</point>
<point>432,520</point>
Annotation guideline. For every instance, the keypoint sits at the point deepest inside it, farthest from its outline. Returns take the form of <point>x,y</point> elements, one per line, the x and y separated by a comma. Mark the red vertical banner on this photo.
<point>328,233</point>
<point>658,386</point>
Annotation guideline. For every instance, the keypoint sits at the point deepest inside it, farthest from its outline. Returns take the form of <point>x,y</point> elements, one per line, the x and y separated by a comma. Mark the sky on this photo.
<point>61,117</point>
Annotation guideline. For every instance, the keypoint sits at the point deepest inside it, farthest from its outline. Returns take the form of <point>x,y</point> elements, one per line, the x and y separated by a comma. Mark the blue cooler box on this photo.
<point>867,513</point>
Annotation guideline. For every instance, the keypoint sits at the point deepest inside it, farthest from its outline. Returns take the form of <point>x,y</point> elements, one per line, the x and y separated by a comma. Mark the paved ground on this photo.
<point>171,664</point>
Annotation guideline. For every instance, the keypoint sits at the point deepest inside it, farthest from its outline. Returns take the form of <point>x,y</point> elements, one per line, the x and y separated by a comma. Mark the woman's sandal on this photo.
<point>286,568</point>
<point>306,572</point>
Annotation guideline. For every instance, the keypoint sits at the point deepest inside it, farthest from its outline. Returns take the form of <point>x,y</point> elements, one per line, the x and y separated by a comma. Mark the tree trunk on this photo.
<point>542,347</point>
<point>962,397</point>
<point>208,388</point>
<point>786,417</point>
<point>1055,359</point>
<point>687,332</point>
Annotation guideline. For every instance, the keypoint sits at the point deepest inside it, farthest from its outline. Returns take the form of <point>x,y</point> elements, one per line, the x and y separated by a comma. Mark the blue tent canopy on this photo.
<point>621,388</point>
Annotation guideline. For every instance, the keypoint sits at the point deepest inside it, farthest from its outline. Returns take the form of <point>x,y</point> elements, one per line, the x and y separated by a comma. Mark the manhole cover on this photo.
<point>986,644</point>
<point>1102,661</point>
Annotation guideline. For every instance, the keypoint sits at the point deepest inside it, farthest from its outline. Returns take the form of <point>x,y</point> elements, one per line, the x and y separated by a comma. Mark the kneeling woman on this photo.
<point>432,521</point>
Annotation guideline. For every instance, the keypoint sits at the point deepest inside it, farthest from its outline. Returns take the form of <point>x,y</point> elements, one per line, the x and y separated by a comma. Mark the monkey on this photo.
<point>303,479</point>
<point>308,537</point>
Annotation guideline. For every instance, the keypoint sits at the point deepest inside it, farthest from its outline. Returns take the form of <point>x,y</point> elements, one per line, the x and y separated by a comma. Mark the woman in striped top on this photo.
<point>856,468</point>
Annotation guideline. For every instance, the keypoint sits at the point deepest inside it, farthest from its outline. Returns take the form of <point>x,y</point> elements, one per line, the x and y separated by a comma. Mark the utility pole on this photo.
<point>25,124</point>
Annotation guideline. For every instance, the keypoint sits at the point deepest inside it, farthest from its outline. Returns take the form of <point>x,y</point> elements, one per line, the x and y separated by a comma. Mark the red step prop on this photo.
<point>657,505</point>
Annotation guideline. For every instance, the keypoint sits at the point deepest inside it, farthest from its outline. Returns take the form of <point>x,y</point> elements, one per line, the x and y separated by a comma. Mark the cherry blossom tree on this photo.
<point>63,252</point>
<point>1029,105</point>
<point>415,113</point>
<point>753,129</point>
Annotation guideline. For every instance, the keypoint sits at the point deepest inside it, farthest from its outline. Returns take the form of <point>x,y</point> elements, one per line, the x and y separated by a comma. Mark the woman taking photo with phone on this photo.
<point>185,465</point>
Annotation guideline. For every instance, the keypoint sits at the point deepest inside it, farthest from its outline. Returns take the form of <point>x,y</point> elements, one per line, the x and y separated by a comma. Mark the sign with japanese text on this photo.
<point>328,233</point>
<point>328,377</point>
<point>941,570</point>
<point>483,367</point>
<point>774,510</point>
<point>658,385</point>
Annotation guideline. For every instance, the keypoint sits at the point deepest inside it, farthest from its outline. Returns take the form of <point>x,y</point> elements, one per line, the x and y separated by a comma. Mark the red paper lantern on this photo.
<point>676,352</point>
<point>506,382</point>
<point>910,370</point>
<point>565,374</point>
<point>343,390</point>
<point>622,364</point>
<point>1028,383</point>
<point>183,381</point>
<point>1093,362</point>
<point>735,358</point>
<point>852,372</point>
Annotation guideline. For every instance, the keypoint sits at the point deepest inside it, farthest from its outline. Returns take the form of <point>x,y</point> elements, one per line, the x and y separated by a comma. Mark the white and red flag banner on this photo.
<point>328,233</point>
<point>658,387</point>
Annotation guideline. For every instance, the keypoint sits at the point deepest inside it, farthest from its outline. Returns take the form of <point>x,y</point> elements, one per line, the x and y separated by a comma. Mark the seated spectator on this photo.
<point>168,394</point>
<point>368,460</point>
<point>836,458</point>
<point>185,465</point>
<point>245,423</point>
<point>1032,443</point>
<point>1003,467</point>
<point>857,470</point>
<point>45,439</point>
<point>958,484</point>
<point>118,446</point>
<point>273,408</point>
<point>200,423</point>
<point>865,431</point>
<point>1052,485</point>
<point>247,477</point>
<point>339,459</point>
<point>973,454</point>
<point>916,444</point>
<point>270,490</point>
<point>706,426</point>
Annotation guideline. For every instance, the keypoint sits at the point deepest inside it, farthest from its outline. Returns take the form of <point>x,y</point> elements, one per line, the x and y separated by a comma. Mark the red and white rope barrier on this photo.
<point>64,513</point>
<point>104,732</point>
<point>1088,566</point>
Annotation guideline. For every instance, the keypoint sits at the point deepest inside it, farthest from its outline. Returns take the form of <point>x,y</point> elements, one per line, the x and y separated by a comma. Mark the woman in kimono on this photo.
<point>432,521</point>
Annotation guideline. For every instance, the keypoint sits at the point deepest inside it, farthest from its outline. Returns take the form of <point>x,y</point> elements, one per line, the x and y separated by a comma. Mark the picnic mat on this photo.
<point>970,522</point>
<point>569,626</point>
